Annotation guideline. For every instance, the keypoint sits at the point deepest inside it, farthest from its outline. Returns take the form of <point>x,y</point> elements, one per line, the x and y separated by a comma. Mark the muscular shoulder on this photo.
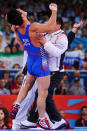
<point>34,26</point>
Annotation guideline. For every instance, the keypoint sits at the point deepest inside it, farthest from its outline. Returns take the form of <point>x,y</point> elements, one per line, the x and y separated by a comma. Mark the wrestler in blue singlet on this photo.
<point>37,61</point>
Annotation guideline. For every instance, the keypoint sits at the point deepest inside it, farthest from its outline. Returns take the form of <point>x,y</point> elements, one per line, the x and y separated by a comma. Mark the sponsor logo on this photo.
<point>26,42</point>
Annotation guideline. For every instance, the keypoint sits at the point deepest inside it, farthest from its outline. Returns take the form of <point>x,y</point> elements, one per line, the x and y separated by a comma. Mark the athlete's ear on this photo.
<point>59,25</point>
<point>14,28</point>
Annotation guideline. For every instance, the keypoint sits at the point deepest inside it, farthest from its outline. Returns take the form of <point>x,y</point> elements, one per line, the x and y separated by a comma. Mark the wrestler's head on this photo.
<point>60,22</point>
<point>14,17</point>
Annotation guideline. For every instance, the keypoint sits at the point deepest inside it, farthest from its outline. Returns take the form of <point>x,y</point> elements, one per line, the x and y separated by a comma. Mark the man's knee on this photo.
<point>43,93</point>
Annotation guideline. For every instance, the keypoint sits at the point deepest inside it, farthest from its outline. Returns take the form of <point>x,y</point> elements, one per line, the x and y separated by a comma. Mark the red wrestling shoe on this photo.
<point>14,111</point>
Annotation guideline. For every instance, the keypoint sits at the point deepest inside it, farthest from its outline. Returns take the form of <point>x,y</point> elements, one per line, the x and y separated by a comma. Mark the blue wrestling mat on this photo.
<point>54,130</point>
<point>78,129</point>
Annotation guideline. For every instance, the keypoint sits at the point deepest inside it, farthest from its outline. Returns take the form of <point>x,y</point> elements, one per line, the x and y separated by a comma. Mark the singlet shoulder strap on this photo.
<point>27,30</point>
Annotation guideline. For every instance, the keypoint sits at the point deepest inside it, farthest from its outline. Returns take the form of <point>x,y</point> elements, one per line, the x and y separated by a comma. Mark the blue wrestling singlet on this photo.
<point>37,61</point>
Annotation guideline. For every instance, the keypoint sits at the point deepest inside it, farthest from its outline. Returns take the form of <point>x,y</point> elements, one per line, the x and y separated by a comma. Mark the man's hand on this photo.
<point>53,6</point>
<point>76,26</point>
<point>14,29</point>
<point>40,38</point>
<point>22,12</point>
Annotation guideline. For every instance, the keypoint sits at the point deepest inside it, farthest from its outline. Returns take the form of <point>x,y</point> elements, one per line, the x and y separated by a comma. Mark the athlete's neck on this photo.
<point>22,28</point>
<point>24,24</point>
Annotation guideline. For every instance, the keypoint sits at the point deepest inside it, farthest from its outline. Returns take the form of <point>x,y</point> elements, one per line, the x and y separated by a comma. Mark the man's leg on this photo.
<point>25,105</point>
<point>50,105</point>
<point>33,113</point>
<point>24,91</point>
<point>22,94</point>
<point>43,85</point>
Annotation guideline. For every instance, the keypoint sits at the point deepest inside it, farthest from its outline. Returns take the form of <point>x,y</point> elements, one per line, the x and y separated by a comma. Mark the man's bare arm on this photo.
<point>14,29</point>
<point>76,26</point>
<point>50,26</point>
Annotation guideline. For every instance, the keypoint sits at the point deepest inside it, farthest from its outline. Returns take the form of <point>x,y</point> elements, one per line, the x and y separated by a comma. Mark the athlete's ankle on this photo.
<point>17,103</point>
<point>41,118</point>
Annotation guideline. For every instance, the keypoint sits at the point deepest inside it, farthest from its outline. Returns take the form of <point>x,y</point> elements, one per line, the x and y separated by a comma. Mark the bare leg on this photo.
<point>23,91</point>
<point>43,85</point>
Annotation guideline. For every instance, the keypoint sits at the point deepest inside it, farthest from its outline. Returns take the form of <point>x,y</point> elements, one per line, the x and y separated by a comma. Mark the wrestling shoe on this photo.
<point>27,124</point>
<point>43,123</point>
<point>14,111</point>
<point>59,125</point>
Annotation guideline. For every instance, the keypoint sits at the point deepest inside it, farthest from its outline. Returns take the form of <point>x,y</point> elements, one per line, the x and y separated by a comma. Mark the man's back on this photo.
<point>37,62</point>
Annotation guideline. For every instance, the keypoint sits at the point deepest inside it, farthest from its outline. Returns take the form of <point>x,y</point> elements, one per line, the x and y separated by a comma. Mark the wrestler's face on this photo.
<point>1,115</point>
<point>84,111</point>
<point>58,26</point>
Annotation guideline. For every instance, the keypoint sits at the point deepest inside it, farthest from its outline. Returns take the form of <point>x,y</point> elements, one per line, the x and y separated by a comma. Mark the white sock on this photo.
<point>41,118</point>
<point>17,103</point>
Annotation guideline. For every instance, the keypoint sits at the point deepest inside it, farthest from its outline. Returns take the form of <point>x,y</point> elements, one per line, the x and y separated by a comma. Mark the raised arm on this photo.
<point>14,29</point>
<point>76,26</point>
<point>71,34</point>
<point>50,26</point>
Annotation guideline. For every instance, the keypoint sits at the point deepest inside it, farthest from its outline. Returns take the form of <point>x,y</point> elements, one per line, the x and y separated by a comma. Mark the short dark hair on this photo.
<point>6,114</point>
<point>14,17</point>
<point>66,73</point>
<point>6,71</point>
<point>60,21</point>
<point>83,107</point>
